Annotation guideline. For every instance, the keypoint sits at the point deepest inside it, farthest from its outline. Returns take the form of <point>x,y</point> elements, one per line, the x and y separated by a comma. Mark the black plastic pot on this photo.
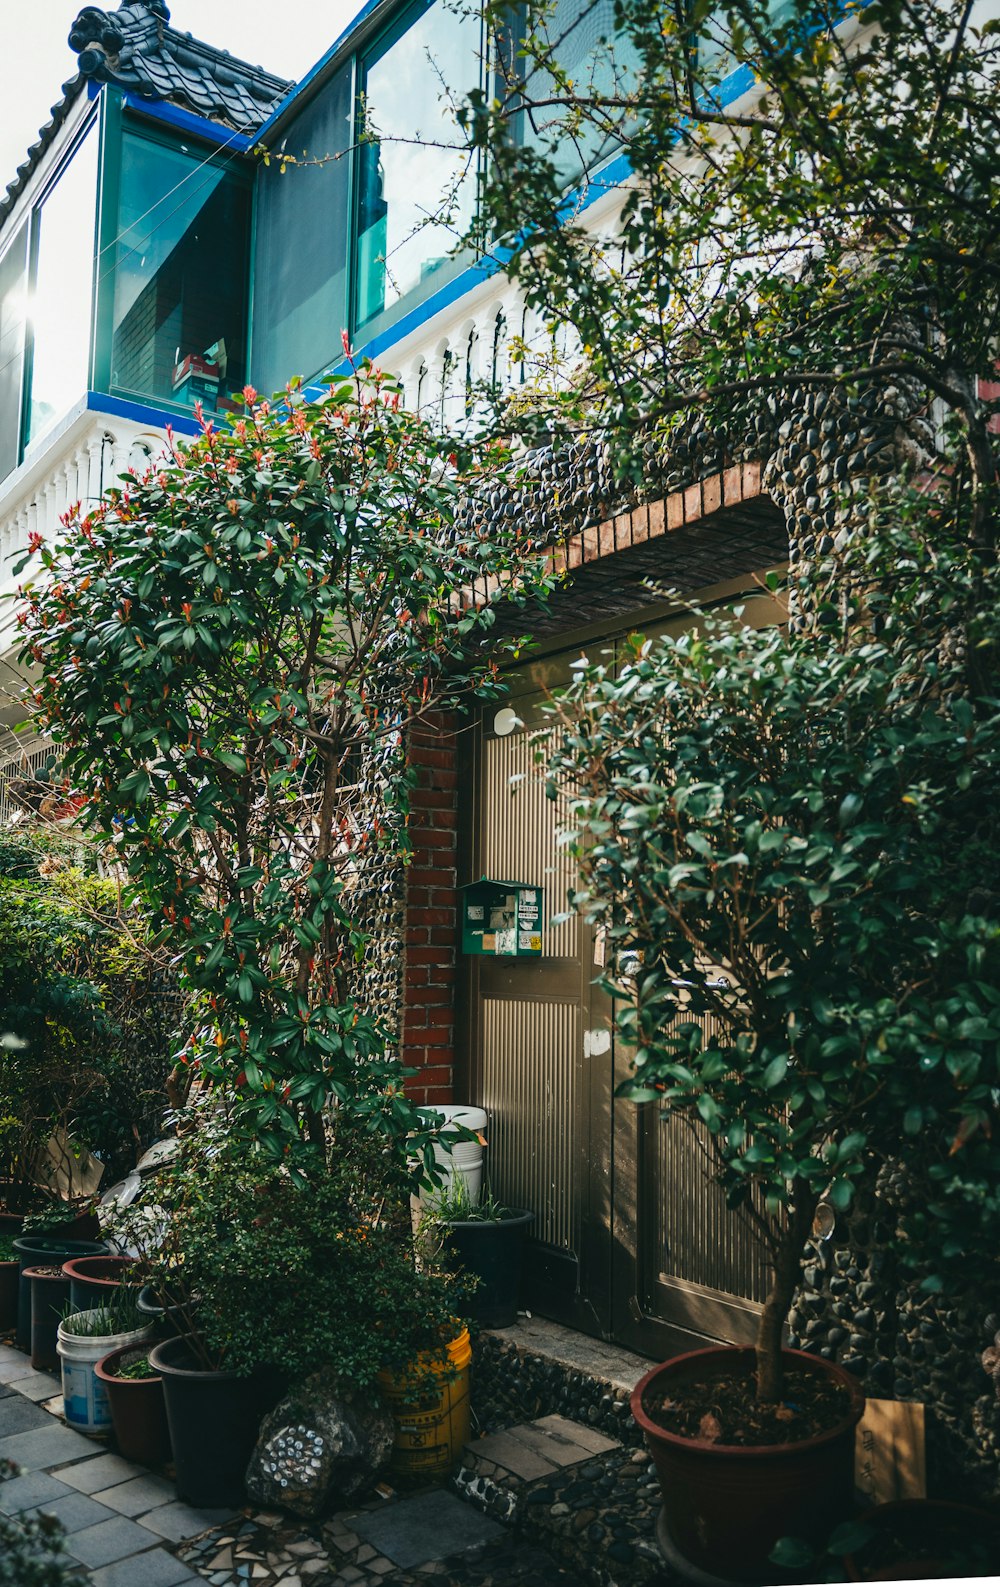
<point>169,1320</point>
<point>214,1418</point>
<point>493,1252</point>
<point>44,1250</point>
<point>49,1294</point>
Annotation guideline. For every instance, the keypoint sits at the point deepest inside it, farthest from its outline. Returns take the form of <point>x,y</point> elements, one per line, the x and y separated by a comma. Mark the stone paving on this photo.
<point>553,1500</point>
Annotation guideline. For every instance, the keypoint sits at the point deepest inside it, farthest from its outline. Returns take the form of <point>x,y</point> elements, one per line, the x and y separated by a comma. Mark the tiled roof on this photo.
<point>136,48</point>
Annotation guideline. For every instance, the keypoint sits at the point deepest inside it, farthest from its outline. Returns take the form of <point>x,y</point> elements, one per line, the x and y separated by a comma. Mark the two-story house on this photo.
<point>149,259</point>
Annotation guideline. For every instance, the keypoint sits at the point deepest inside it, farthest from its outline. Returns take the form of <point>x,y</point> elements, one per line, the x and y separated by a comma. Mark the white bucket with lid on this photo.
<point>466,1157</point>
<point>85,1398</point>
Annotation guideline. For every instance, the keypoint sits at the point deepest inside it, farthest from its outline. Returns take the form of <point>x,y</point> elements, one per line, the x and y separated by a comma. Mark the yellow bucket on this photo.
<point>432,1428</point>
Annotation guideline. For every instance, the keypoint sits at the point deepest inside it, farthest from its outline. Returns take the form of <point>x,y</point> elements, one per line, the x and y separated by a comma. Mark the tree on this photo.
<point>233,649</point>
<point>792,840</point>
<point>832,227</point>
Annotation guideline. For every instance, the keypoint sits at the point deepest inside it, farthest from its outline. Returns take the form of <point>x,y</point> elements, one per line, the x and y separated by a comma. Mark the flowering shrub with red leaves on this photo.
<point>231,650</point>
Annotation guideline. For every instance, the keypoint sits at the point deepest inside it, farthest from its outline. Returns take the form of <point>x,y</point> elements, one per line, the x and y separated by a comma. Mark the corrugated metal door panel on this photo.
<point>529,1085</point>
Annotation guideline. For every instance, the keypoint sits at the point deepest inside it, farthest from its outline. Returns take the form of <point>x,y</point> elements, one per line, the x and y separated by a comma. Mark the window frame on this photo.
<point>121,121</point>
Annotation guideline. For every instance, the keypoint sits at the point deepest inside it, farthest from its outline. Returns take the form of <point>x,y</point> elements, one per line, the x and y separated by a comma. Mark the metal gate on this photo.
<point>632,1237</point>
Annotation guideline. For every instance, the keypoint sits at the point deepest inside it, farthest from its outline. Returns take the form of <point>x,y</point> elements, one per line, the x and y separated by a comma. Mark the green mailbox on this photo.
<point>502,918</point>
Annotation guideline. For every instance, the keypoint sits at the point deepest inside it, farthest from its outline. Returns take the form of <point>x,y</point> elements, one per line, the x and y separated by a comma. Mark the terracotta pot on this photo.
<point>93,1279</point>
<point>138,1411</point>
<point>927,1540</point>
<point>725,1506</point>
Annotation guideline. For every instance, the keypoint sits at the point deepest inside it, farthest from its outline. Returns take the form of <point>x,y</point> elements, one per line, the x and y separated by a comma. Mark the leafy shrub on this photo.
<point>297,1275</point>
<point>33,1549</point>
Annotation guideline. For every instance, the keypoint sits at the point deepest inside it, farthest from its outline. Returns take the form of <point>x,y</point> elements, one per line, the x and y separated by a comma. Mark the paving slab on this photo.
<point>74,1511</point>
<point>109,1541</point>
<point>578,1433</point>
<point>18,1415</point>
<point>136,1496</point>
<point>176,1522</point>
<point>36,1386</point>
<point>50,1445</point>
<point>156,1568</point>
<point>102,1471</point>
<point>507,1451</point>
<point>25,1493</point>
<point>430,1526</point>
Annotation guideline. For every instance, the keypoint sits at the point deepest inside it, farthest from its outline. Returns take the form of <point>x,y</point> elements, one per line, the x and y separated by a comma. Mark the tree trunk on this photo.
<point>787,1268</point>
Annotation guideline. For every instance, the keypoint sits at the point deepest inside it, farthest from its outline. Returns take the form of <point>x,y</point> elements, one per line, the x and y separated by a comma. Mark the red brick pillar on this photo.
<point>428,1030</point>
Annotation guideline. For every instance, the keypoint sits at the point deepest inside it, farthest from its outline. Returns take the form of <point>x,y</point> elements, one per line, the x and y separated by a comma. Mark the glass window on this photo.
<point>581,36</point>
<point>179,331</point>
<point>62,295</point>
<point>13,317</point>
<point>413,162</point>
<point>303,228</point>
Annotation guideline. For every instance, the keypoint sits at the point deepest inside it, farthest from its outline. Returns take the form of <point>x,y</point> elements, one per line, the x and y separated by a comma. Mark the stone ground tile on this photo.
<point>109,1541</point>
<point>156,1568</point>
<point>429,1526</point>
<point>137,1495</point>
<point>37,1386</point>
<point>554,1444</point>
<point>178,1521</point>
<point>48,1446</point>
<point>577,1433</point>
<point>18,1415</point>
<point>25,1493</point>
<point>508,1451</point>
<point>74,1511</point>
<point>18,1366</point>
<point>102,1471</point>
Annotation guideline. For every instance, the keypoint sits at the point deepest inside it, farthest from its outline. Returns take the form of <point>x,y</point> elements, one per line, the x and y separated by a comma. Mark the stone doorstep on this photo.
<point>566,1347</point>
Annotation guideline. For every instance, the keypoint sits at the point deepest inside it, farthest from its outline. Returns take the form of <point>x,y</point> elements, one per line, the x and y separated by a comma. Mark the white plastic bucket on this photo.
<point>465,1160</point>
<point>85,1399</point>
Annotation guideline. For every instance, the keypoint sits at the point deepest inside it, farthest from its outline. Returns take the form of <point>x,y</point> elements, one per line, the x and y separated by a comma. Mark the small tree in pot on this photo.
<point>790,840</point>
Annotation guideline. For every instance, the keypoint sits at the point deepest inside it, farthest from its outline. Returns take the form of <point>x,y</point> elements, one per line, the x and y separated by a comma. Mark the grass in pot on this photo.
<point>483,1242</point>
<point>134,1391</point>
<point>84,1338</point>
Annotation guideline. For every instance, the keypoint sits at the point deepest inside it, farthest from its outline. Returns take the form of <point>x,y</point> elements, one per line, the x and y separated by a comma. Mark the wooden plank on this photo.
<point>889,1452</point>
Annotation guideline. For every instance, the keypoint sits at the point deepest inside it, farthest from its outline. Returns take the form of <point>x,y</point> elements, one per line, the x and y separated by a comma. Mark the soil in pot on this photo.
<point>726,1504</point>
<point>926,1540</point>
<point>812,1405</point>
<point>214,1419</point>
<point>49,1294</point>
<point>138,1409</point>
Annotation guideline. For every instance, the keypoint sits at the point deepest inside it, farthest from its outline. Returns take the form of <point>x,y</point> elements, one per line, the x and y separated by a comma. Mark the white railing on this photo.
<point>79,465</point>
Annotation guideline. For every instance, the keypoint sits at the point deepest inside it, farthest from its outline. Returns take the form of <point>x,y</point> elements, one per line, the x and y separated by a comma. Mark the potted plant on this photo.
<point>37,1250</point>
<point>275,1277</point>
<point>483,1241</point>
<point>83,1339</point>
<point>782,845</point>
<point>134,1390</point>
<point>50,1297</point>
